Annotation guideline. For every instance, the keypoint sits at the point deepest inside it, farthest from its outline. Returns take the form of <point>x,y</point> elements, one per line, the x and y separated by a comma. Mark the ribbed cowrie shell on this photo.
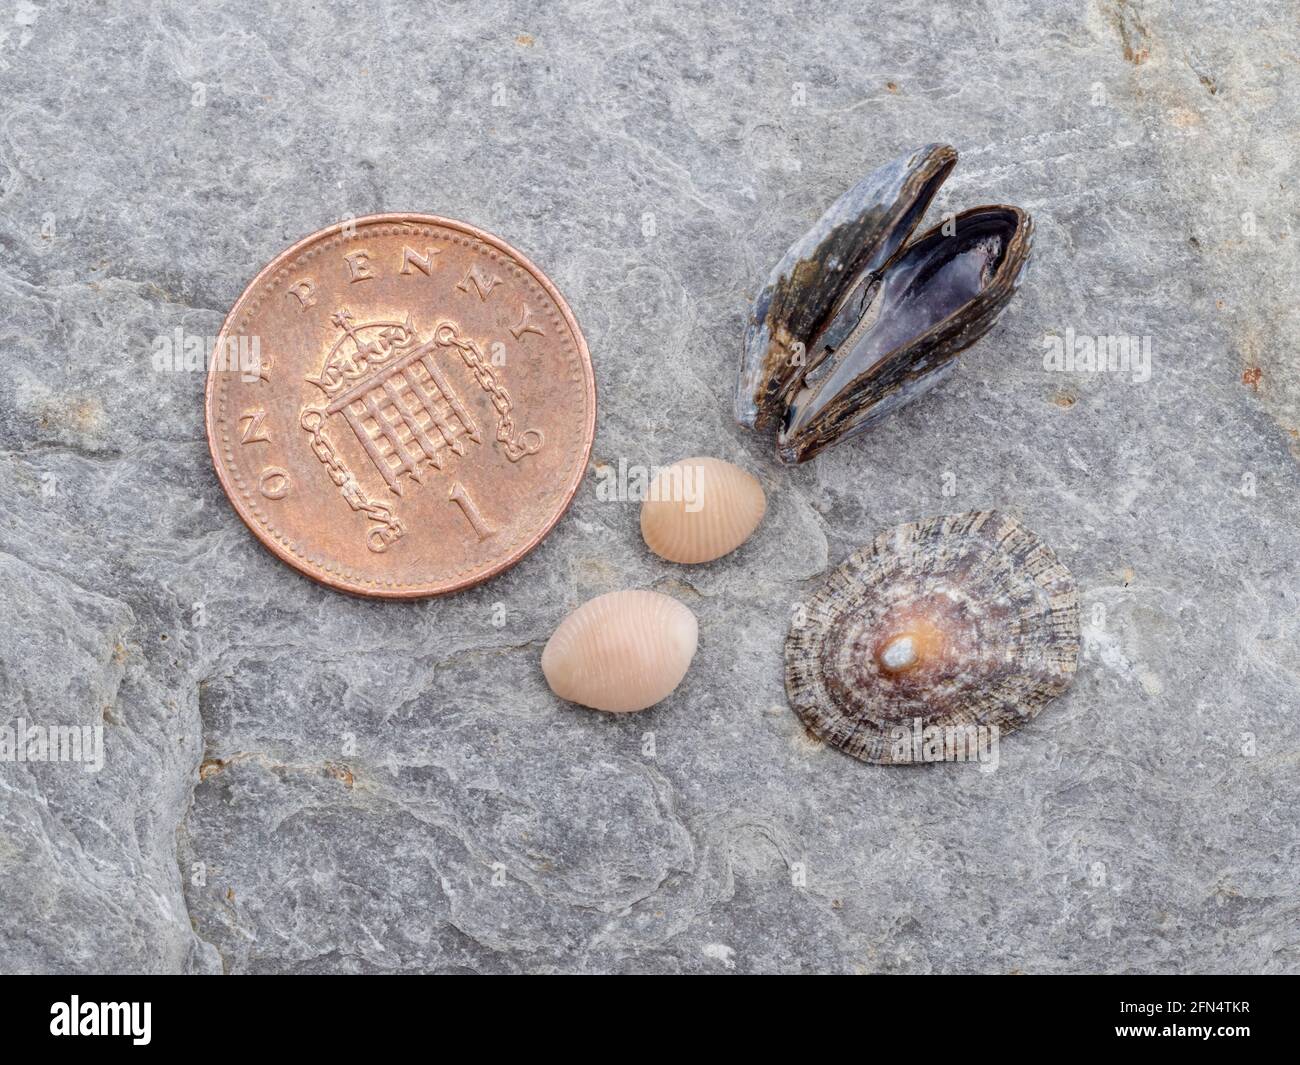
<point>621,651</point>
<point>700,509</point>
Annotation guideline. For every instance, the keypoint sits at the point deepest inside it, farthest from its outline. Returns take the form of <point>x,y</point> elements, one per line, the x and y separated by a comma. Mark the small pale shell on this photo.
<point>700,509</point>
<point>621,651</point>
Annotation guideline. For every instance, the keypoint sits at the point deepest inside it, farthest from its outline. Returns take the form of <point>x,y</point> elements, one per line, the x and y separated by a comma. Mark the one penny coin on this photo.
<point>401,406</point>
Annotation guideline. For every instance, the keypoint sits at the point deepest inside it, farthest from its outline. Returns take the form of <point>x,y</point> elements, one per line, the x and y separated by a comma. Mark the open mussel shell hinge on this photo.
<point>854,322</point>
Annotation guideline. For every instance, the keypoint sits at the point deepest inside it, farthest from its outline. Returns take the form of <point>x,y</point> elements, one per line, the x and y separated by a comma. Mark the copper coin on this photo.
<point>400,405</point>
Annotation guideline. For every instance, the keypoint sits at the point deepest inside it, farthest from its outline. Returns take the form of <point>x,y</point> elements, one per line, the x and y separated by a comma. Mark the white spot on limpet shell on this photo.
<point>899,653</point>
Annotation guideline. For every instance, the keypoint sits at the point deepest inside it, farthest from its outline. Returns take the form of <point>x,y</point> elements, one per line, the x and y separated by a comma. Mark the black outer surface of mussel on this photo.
<point>858,234</point>
<point>854,322</point>
<point>940,295</point>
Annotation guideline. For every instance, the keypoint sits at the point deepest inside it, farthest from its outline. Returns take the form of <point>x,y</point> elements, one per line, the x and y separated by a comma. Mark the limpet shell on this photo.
<point>966,619</point>
<point>621,651</point>
<point>700,509</point>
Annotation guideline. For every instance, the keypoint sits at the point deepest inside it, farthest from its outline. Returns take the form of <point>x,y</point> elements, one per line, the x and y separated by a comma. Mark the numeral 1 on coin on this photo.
<point>460,497</point>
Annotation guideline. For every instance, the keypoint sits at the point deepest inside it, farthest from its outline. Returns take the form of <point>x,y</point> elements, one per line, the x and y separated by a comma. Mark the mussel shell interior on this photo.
<point>896,332</point>
<point>858,233</point>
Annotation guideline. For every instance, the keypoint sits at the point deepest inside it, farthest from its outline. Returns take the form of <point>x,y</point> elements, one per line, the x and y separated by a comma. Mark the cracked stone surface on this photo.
<point>295,780</point>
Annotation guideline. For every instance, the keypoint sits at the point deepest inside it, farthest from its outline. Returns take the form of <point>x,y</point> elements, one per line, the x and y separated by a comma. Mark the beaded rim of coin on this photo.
<point>280,545</point>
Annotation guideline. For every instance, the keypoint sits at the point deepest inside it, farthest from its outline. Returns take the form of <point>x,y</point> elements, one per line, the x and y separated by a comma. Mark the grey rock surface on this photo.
<point>295,780</point>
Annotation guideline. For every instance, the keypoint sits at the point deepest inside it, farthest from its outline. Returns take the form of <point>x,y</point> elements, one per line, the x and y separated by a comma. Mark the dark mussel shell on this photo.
<point>897,337</point>
<point>854,322</point>
<point>858,234</point>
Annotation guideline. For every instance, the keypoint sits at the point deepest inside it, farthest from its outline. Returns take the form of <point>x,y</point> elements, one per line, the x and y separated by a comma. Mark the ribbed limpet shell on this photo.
<point>700,509</point>
<point>966,619</point>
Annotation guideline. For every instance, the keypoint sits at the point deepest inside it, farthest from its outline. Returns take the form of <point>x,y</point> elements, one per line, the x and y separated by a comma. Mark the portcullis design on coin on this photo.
<point>412,410</point>
<point>967,620</point>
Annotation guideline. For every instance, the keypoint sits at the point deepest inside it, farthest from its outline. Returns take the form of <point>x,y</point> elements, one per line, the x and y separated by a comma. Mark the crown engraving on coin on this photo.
<point>388,384</point>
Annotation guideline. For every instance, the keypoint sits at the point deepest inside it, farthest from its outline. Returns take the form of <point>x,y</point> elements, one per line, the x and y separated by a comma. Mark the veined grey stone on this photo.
<point>296,780</point>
